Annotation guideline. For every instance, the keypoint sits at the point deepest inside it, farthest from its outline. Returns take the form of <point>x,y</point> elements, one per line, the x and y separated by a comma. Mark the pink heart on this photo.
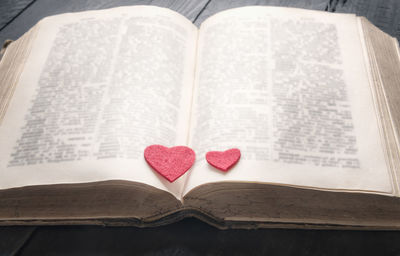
<point>223,160</point>
<point>171,163</point>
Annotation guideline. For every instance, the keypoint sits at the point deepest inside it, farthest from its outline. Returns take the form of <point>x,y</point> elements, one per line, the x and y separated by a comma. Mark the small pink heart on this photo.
<point>223,160</point>
<point>171,163</point>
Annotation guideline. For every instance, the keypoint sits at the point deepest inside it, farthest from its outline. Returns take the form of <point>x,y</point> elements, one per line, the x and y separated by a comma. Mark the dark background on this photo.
<point>191,236</point>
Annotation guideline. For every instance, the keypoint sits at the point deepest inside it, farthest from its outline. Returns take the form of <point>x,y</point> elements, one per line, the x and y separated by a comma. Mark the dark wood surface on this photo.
<point>190,236</point>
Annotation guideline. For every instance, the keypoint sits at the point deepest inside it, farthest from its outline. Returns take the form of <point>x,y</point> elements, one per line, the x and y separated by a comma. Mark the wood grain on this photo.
<point>10,9</point>
<point>12,239</point>
<point>193,237</point>
<point>217,6</point>
<point>383,14</point>
<point>43,8</point>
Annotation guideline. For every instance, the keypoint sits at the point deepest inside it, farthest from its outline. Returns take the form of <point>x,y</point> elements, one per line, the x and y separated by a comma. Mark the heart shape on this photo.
<point>223,160</point>
<point>171,163</point>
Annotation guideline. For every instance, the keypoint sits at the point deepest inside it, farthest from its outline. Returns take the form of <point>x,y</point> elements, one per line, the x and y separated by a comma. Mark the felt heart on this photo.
<point>171,163</point>
<point>223,160</point>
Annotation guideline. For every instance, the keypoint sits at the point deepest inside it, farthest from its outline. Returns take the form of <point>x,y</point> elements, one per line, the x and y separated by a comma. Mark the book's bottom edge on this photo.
<point>180,215</point>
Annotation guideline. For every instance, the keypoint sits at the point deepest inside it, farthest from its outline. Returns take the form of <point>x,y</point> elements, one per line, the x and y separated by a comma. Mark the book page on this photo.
<point>289,88</point>
<point>97,89</point>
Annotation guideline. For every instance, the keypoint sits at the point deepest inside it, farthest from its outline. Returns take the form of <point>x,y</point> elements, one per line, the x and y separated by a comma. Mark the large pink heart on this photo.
<point>171,163</point>
<point>223,160</point>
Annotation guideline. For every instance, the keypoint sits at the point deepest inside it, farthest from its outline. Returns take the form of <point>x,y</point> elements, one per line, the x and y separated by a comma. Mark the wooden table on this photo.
<point>190,236</point>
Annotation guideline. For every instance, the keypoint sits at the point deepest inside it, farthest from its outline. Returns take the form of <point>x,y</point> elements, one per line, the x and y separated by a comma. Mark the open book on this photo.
<point>310,98</point>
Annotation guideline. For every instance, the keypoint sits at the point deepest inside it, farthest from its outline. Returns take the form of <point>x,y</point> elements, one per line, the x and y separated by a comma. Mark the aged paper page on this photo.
<point>381,51</point>
<point>289,88</point>
<point>98,88</point>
